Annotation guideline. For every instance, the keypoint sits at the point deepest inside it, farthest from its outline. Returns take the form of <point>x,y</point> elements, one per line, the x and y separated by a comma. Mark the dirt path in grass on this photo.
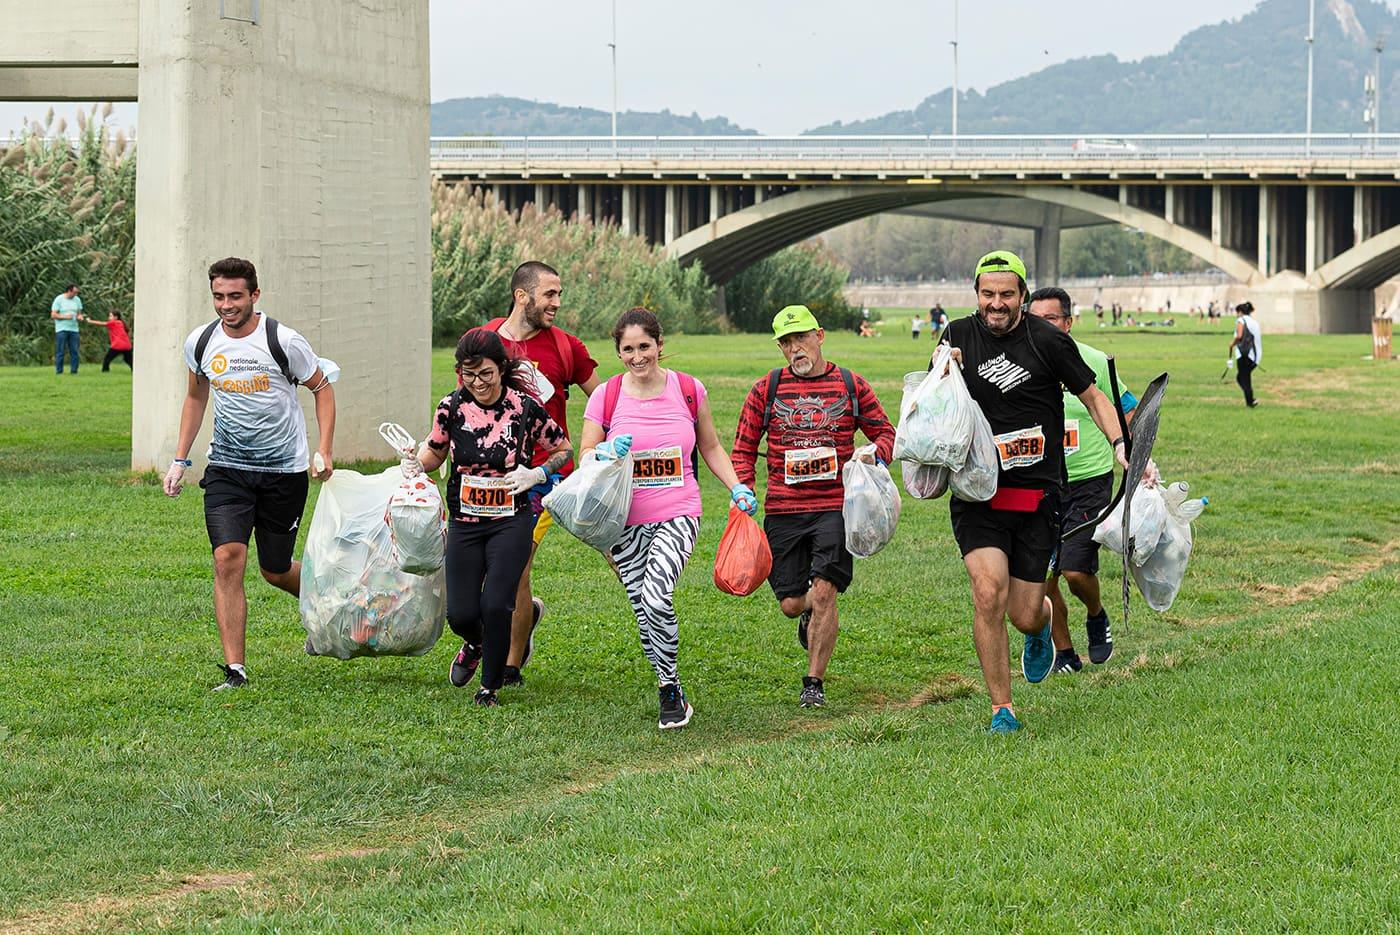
<point>104,912</point>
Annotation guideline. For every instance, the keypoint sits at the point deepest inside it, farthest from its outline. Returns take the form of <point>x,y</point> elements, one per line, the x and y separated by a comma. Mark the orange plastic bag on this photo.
<point>743,559</point>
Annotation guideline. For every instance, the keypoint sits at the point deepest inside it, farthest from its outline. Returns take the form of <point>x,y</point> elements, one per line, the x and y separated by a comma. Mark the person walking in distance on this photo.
<point>810,411</point>
<point>1014,365</point>
<point>1246,350</point>
<point>493,429</point>
<point>663,417</point>
<point>556,360</point>
<point>256,481</point>
<point>1089,467</point>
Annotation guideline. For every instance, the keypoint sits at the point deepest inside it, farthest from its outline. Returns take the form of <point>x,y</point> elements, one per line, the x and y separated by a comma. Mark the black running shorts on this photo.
<point>1086,500</point>
<point>240,503</point>
<point>807,546</point>
<point>1028,539</point>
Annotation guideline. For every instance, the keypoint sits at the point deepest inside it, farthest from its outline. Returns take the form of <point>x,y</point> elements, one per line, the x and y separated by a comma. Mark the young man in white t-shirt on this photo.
<point>256,481</point>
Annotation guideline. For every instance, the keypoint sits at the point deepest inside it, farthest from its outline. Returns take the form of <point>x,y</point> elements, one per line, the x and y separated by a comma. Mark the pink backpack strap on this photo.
<point>611,390</point>
<point>691,394</point>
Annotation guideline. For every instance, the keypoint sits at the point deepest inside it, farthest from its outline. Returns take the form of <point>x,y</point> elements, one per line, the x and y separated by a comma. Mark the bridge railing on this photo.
<point>1066,147</point>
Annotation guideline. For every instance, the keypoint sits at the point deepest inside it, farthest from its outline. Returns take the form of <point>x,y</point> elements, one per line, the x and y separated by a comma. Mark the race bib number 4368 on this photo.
<point>486,497</point>
<point>1020,448</point>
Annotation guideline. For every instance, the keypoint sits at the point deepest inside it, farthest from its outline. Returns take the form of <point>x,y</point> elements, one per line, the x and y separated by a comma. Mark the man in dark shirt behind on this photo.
<point>1014,364</point>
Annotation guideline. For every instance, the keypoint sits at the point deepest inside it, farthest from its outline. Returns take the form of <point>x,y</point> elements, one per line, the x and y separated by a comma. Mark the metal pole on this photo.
<point>1376,103</point>
<point>955,70</point>
<point>613,45</point>
<point>1312,18</point>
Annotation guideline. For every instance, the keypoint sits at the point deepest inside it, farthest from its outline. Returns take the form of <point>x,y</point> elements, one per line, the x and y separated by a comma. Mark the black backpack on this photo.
<point>274,347</point>
<point>1246,342</point>
<point>776,375</point>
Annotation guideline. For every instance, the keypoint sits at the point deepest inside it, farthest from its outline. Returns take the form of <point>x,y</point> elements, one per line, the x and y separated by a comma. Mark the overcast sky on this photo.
<point>777,66</point>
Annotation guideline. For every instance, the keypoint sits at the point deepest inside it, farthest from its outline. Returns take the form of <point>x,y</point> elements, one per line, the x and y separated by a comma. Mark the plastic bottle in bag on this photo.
<point>935,418</point>
<point>924,481</point>
<point>976,480</point>
<point>1159,578</point>
<point>1148,520</point>
<point>870,507</point>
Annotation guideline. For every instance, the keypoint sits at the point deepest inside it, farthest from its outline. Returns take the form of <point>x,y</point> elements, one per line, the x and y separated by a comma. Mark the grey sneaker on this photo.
<point>813,695</point>
<point>675,710</point>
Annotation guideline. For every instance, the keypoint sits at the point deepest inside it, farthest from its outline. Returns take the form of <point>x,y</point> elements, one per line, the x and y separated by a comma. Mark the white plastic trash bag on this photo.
<point>976,480</point>
<point>1149,519</point>
<point>593,502</point>
<point>1159,578</point>
<point>415,518</point>
<point>355,600</point>
<point>935,417</point>
<point>870,508</point>
<point>924,481</point>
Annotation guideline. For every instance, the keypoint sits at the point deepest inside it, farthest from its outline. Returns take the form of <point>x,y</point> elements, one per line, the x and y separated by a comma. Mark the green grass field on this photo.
<point>1233,767</point>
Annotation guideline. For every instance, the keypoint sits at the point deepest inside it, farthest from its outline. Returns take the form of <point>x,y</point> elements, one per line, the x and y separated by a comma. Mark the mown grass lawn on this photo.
<point>1233,766</point>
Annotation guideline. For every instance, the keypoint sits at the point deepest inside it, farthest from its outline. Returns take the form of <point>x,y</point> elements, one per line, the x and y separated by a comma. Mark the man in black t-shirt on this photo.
<point>1014,365</point>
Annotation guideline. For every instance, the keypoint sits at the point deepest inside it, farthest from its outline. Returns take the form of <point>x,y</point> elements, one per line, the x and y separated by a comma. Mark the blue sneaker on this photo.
<point>1004,722</point>
<point>1038,652</point>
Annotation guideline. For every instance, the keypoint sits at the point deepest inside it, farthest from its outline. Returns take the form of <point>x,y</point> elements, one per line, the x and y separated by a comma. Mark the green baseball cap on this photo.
<point>1000,261</point>
<point>794,319</point>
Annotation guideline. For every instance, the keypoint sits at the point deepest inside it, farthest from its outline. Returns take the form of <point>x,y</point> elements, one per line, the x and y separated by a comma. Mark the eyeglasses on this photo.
<point>485,376</point>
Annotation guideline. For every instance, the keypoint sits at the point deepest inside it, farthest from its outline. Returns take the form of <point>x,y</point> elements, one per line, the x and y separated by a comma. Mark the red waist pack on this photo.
<point>1016,499</point>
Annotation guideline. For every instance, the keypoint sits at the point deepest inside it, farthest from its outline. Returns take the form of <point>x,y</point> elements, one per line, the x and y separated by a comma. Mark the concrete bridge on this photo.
<point>1310,224</point>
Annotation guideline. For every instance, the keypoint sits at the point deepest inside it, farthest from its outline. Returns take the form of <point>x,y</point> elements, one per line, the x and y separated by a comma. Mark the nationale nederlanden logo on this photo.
<point>218,365</point>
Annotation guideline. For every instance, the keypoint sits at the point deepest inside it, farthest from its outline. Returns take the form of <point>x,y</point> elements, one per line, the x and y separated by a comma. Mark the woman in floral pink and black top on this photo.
<point>490,427</point>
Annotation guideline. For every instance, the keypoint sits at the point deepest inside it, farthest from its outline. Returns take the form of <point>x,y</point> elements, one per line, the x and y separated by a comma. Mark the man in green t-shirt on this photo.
<point>1089,464</point>
<point>64,311</point>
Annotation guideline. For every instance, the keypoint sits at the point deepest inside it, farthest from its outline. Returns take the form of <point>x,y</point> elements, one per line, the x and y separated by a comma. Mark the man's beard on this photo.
<point>1013,319</point>
<point>802,367</point>
<point>534,317</point>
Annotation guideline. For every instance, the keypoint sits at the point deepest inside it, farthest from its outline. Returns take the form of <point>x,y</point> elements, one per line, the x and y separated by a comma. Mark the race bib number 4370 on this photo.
<point>486,497</point>
<point>803,465</point>
<point>1020,448</point>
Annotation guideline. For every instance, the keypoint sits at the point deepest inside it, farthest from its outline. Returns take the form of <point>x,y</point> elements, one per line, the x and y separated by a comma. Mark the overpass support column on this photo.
<point>1360,213</point>
<point>628,208</point>
<point>669,233</point>
<point>1312,243</point>
<point>1047,248</point>
<point>1266,232</point>
<point>585,202</point>
<point>714,203</point>
<point>1217,215</point>
<point>1169,206</point>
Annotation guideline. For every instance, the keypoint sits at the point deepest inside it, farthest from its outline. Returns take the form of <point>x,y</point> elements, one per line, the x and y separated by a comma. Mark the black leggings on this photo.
<point>484,564</point>
<point>113,354</point>
<point>1245,377</point>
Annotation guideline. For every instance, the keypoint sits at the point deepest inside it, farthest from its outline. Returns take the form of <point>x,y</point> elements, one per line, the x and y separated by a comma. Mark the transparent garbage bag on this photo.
<point>870,508</point>
<point>593,502</point>
<point>355,600</point>
<point>1159,578</point>
<point>1149,519</point>
<point>415,514</point>
<point>935,415</point>
<point>976,480</point>
<point>924,481</point>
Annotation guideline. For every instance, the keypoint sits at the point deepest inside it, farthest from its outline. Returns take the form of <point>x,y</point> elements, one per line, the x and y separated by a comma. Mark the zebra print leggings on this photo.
<point>649,559</point>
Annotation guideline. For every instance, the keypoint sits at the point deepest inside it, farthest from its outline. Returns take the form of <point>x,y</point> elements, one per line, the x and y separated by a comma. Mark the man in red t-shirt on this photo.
<point>559,359</point>
<point>810,411</point>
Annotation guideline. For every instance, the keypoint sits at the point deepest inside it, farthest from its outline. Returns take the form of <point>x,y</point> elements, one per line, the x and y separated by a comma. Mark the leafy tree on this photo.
<point>806,274</point>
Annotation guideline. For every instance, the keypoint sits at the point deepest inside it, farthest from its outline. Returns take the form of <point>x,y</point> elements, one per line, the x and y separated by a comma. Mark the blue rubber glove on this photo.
<point>743,498</point>
<point>613,448</point>
<point>881,462</point>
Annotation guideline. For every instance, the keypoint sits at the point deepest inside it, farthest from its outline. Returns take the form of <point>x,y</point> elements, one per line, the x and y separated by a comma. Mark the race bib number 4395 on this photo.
<point>486,497</point>
<point>657,467</point>
<point>1020,448</point>
<point>802,465</point>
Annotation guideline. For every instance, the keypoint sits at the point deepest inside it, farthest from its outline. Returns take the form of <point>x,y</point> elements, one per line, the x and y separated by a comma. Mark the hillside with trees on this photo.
<point>514,116</point>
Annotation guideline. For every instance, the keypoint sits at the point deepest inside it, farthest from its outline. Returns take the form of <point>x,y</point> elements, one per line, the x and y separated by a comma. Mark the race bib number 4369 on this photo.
<point>486,497</point>
<point>1020,448</point>
<point>802,465</point>
<point>657,467</point>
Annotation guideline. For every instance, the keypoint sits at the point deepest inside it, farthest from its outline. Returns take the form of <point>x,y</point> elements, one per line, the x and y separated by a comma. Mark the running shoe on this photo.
<point>512,676</point>
<point>487,698</point>
<point>813,695</point>
<point>1004,722</point>
<point>538,606</point>
<point>464,665</point>
<point>675,710</point>
<point>1038,652</point>
<point>802,623</point>
<point>1100,638</point>
<point>233,678</point>
<point>1066,660</point>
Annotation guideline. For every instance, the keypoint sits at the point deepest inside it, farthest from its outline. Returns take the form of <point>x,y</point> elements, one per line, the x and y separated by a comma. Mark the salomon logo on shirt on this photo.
<point>1002,373</point>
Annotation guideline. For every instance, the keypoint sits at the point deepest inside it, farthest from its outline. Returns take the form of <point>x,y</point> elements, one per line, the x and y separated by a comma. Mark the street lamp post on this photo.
<point>1376,100</point>
<point>1312,19</point>
<point>613,46</point>
<point>955,71</point>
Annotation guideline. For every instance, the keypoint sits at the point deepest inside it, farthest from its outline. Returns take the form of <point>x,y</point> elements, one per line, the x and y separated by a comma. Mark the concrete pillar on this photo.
<point>758,194</point>
<point>1359,227</point>
<point>1122,194</point>
<point>714,203</point>
<point>333,203</point>
<point>1266,235</point>
<point>668,234</point>
<point>1169,209</point>
<point>644,211</point>
<point>585,202</point>
<point>496,192</point>
<point>1217,215</point>
<point>628,207</point>
<point>1047,248</point>
<point>1312,243</point>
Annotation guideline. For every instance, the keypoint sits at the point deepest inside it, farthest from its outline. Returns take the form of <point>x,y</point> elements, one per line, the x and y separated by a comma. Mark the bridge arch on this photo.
<point>728,244</point>
<point>1364,266</point>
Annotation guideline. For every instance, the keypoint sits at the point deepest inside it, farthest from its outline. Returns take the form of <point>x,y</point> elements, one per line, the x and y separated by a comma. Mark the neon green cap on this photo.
<point>794,319</point>
<point>1000,261</point>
